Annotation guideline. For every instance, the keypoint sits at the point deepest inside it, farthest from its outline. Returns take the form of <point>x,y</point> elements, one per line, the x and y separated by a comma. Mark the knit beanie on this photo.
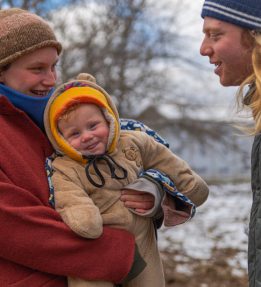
<point>83,89</point>
<point>22,32</point>
<point>243,13</point>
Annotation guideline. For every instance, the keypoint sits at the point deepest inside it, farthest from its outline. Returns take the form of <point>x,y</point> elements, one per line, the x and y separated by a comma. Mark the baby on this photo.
<point>97,160</point>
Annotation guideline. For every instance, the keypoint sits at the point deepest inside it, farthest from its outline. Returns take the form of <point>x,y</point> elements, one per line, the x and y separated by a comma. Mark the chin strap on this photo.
<point>111,163</point>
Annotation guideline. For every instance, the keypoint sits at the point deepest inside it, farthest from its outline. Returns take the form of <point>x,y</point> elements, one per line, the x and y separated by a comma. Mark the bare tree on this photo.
<point>124,44</point>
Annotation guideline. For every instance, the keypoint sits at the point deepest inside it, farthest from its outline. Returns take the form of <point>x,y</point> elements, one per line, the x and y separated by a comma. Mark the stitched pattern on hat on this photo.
<point>71,85</point>
<point>17,21</point>
<point>22,32</point>
<point>247,16</point>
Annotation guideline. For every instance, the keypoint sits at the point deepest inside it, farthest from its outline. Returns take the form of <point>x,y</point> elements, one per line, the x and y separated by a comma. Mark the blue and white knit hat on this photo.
<point>243,13</point>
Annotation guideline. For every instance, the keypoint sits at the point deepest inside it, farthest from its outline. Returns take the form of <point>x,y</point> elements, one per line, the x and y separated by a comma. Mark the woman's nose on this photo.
<point>50,78</point>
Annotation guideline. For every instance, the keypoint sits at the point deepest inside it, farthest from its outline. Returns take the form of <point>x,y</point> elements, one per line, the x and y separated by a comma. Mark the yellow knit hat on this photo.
<point>84,89</point>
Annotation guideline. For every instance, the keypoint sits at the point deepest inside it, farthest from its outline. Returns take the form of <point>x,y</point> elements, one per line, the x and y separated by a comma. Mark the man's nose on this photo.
<point>205,48</point>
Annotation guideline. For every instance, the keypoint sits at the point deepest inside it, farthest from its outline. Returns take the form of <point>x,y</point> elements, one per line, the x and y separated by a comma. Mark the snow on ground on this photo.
<point>221,222</point>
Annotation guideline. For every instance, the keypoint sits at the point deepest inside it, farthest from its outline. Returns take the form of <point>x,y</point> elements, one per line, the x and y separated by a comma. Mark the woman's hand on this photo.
<point>140,201</point>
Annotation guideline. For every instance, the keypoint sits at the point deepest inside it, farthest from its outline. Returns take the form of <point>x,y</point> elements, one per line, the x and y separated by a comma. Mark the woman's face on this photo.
<point>33,74</point>
<point>227,51</point>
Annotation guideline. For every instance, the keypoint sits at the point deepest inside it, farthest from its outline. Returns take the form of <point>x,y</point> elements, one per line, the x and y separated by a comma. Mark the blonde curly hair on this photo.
<point>252,100</point>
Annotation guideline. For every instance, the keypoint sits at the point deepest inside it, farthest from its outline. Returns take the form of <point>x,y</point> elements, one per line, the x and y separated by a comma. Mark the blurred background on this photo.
<point>145,53</point>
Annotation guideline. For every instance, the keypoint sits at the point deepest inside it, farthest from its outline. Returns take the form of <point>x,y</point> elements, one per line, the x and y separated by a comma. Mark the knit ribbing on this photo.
<point>246,14</point>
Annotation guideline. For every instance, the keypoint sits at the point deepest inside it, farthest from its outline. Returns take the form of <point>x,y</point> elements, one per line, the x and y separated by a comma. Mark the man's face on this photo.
<point>226,49</point>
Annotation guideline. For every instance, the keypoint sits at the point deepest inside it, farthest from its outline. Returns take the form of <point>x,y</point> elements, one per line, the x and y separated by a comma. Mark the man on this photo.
<point>231,29</point>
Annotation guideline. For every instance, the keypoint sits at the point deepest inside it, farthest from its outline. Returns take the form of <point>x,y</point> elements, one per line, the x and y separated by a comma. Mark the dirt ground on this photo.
<point>181,271</point>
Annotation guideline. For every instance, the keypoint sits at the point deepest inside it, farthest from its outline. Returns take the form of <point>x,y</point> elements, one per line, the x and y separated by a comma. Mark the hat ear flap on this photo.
<point>111,119</point>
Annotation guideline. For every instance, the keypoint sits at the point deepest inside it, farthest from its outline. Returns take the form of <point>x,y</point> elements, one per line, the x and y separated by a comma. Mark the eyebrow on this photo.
<point>212,29</point>
<point>42,63</point>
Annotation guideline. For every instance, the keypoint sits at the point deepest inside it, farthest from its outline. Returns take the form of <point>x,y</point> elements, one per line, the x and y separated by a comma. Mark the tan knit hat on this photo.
<point>22,32</point>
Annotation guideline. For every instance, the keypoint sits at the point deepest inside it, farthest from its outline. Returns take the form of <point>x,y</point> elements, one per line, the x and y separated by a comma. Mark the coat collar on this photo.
<point>6,107</point>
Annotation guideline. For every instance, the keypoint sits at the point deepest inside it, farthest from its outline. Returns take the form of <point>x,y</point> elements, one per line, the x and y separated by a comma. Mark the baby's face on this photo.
<point>86,130</point>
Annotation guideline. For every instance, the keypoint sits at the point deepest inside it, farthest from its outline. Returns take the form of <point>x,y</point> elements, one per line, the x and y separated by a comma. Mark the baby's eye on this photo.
<point>92,126</point>
<point>74,134</point>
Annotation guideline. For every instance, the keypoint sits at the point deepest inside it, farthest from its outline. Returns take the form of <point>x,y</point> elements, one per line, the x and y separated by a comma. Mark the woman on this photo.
<point>37,248</point>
